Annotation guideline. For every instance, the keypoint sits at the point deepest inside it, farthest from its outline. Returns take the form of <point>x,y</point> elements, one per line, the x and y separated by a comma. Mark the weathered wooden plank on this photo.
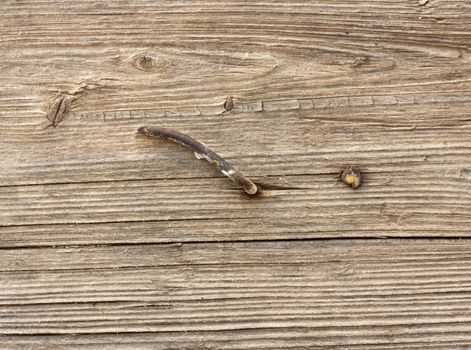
<point>179,210</point>
<point>315,85</point>
<point>424,136</point>
<point>416,181</point>
<point>220,340</point>
<point>362,293</point>
<point>152,54</point>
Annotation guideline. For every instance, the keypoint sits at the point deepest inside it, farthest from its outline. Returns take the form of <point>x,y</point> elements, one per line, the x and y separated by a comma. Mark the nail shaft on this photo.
<point>201,151</point>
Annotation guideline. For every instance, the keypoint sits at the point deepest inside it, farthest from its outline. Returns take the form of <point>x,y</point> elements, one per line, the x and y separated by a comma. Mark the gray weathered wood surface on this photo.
<point>109,240</point>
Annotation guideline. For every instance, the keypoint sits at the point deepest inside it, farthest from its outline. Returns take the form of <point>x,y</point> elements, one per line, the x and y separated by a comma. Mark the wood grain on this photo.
<point>186,210</point>
<point>391,138</point>
<point>398,111</point>
<point>290,295</point>
<point>416,181</point>
<point>113,241</point>
<point>166,54</point>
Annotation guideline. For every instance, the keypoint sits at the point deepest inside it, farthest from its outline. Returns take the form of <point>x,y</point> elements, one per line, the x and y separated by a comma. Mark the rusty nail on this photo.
<point>202,151</point>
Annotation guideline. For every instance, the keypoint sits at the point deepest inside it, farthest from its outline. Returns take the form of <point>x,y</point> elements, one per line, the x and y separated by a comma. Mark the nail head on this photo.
<point>351,176</point>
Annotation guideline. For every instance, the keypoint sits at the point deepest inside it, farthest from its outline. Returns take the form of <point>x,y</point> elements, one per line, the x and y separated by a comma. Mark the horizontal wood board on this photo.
<point>109,240</point>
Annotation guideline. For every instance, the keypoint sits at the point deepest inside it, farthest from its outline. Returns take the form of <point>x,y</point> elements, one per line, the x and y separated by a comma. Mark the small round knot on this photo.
<point>147,61</point>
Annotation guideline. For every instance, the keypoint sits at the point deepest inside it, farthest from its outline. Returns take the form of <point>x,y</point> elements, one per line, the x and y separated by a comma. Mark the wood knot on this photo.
<point>147,62</point>
<point>58,109</point>
<point>229,104</point>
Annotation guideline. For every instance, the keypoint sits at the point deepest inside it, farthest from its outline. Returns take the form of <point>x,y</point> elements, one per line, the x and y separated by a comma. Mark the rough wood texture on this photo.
<point>86,205</point>
<point>283,295</point>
